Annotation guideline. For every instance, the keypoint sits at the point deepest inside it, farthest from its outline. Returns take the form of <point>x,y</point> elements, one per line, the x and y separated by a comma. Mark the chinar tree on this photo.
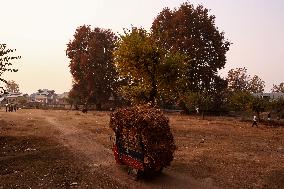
<point>181,55</point>
<point>191,31</point>
<point>91,64</point>
<point>149,72</point>
<point>7,58</point>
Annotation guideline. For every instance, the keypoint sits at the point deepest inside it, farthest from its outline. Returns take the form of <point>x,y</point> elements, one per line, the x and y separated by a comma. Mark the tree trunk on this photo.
<point>99,106</point>
<point>258,116</point>
<point>153,92</point>
<point>76,107</point>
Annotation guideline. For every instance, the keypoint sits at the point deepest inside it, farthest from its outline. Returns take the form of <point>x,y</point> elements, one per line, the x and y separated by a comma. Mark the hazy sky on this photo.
<point>40,30</point>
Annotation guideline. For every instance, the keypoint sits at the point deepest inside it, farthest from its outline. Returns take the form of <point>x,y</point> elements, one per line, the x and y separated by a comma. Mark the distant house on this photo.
<point>44,96</point>
<point>3,100</point>
<point>12,98</point>
<point>269,96</point>
<point>62,98</point>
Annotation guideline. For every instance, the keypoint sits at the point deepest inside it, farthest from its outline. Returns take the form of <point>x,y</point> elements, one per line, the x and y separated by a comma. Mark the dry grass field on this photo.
<point>69,149</point>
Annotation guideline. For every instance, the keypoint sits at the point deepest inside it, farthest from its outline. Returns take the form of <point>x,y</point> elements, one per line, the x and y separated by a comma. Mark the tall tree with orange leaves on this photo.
<point>91,63</point>
<point>191,31</point>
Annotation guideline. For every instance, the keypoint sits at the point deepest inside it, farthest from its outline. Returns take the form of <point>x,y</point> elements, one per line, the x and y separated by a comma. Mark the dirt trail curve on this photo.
<point>83,145</point>
<point>81,142</point>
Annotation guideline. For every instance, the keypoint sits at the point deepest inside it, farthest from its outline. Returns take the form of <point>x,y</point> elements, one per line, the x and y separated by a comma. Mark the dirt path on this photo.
<point>82,142</point>
<point>100,159</point>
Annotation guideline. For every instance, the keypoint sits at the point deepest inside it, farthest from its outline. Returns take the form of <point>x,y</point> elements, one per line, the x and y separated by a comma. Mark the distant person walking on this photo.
<point>197,110</point>
<point>254,121</point>
<point>278,118</point>
<point>6,107</point>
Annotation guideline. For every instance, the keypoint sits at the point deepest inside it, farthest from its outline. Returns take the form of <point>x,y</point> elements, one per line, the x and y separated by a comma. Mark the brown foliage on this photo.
<point>91,62</point>
<point>192,31</point>
<point>278,88</point>
<point>149,125</point>
<point>239,80</point>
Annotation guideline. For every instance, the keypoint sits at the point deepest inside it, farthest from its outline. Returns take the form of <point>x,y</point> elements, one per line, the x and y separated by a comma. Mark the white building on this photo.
<point>269,96</point>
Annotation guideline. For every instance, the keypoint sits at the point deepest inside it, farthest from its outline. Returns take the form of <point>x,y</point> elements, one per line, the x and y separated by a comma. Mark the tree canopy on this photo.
<point>91,62</point>
<point>256,85</point>
<point>12,87</point>
<point>7,58</point>
<point>278,88</point>
<point>149,72</point>
<point>239,80</point>
<point>240,100</point>
<point>191,31</point>
<point>181,54</point>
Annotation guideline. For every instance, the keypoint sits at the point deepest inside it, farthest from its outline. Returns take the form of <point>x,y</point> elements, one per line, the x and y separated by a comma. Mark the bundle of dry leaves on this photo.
<point>146,130</point>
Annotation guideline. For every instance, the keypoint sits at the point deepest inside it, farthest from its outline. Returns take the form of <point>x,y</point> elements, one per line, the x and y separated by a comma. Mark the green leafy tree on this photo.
<point>91,63</point>
<point>240,86</point>
<point>192,32</point>
<point>194,100</point>
<point>7,58</point>
<point>214,100</point>
<point>278,88</point>
<point>137,62</point>
<point>12,87</point>
<point>240,100</point>
<point>171,77</point>
<point>150,73</point>
<point>278,107</point>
